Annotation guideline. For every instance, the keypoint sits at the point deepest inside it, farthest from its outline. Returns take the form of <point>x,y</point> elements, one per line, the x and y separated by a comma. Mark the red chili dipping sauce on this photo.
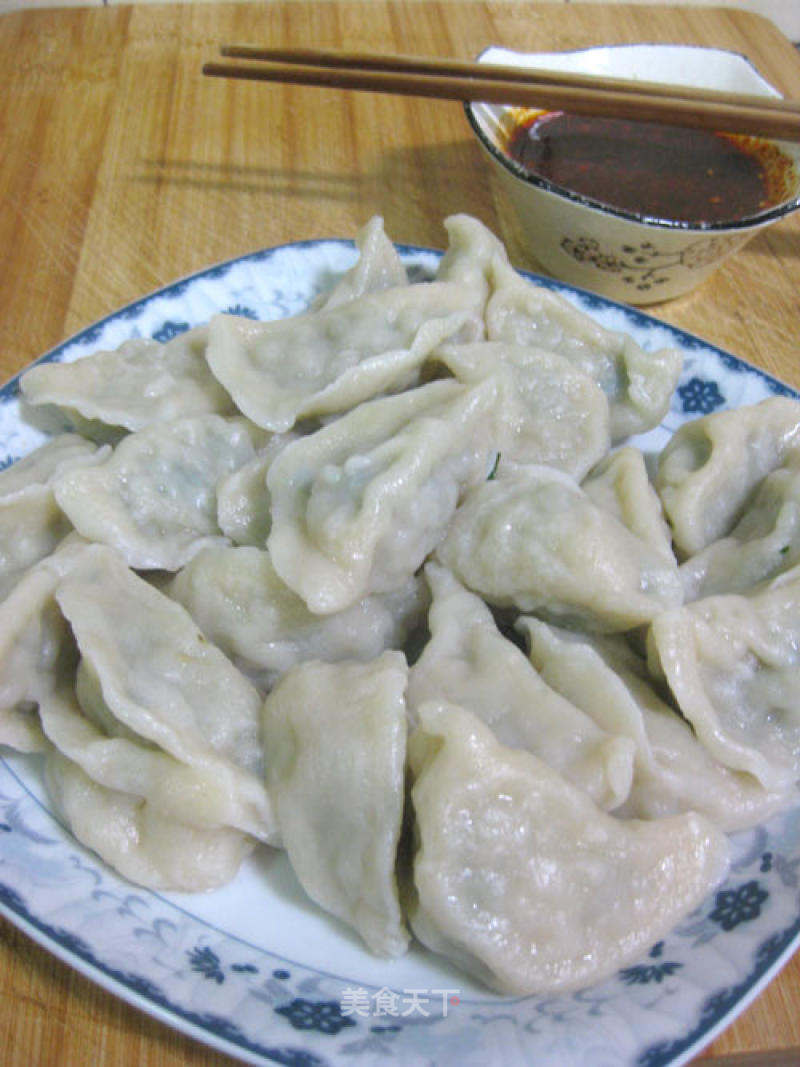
<point>663,172</point>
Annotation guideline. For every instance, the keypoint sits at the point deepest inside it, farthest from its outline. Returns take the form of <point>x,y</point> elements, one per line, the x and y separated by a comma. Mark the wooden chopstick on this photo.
<point>451,79</point>
<point>320,57</point>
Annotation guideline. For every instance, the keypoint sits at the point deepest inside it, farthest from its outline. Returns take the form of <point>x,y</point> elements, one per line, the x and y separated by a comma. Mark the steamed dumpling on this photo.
<point>328,361</point>
<point>160,805</point>
<point>242,606</point>
<point>548,411</point>
<point>31,522</point>
<point>37,653</point>
<point>136,385</point>
<point>244,507</point>
<point>358,505</point>
<point>467,661</point>
<point>711,465</point>
<point>639,385</point>
<point>732,663</point>
<point>620,484</point>
<point>673,772</point>
<point>146,846</point>
<point>471,251</point>
<point>533,539</point>
<point>149,675</point>
<point>764,543</point>
<point>336,737</point>
<point>154,498</point>
<point>521,880</point>
<point>377,267</point>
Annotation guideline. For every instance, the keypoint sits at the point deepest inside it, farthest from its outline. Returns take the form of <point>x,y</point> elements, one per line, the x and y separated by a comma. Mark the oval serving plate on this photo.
<point>254,969</point>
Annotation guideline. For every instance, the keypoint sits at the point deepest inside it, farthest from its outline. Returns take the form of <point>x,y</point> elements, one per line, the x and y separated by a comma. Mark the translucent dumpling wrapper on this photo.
<point>533,539</point>
<point>639,384</point>
<point>548,411</point>
<point>672,770</point>
<point>521,880</point>
<point>141,842</point>
<point>377,267</point>
<point>710,466</point>
<point>140,383</point>
<point>732,663</point>
<point>31,522</point>
<point>151,676</point>
<point>242,606</point>
<point>336,737</point>
<point>467,661</point>
<point>154,498</point>
<point>764,543</point>
<point>358,505</point>
<point>328,361</point>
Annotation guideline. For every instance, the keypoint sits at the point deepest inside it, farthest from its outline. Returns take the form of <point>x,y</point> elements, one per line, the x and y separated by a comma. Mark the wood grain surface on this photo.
<point>123,169</point>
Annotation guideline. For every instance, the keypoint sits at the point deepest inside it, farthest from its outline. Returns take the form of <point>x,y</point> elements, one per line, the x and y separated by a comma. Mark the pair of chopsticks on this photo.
<point>450,79</point>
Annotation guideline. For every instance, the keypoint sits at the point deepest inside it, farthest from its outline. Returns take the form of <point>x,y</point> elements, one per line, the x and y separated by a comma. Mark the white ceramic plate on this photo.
<point>254,969</point>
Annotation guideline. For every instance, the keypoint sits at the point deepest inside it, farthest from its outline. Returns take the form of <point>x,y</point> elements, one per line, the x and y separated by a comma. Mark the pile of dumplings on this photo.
<point>386,585</point>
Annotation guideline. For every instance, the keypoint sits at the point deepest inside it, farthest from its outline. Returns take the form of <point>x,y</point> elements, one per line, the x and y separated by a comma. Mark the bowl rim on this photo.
<point>749,222</point>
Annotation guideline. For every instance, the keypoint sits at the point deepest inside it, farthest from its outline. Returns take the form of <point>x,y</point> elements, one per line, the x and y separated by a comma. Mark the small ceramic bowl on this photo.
<point>618,253</point>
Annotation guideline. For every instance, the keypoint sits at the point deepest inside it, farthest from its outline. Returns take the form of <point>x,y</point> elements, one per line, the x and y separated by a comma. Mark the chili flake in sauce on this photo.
<point>664,172</point>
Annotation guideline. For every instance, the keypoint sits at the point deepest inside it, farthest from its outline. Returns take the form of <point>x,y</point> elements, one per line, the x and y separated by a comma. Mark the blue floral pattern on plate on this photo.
<point>253,969</point>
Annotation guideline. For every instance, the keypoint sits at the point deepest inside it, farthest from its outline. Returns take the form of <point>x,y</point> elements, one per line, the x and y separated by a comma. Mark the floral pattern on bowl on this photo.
<point>645,266</point>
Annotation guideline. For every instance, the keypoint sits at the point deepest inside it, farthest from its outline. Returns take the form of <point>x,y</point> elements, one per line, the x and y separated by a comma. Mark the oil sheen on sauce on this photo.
<point>663,172</point>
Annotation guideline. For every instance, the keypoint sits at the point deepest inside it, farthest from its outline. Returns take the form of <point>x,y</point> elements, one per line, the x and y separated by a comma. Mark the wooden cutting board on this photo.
<point>123,169</point>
